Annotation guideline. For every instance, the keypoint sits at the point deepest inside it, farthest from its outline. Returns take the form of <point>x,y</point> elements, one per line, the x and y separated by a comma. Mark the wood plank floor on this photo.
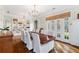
<point>61,47</point>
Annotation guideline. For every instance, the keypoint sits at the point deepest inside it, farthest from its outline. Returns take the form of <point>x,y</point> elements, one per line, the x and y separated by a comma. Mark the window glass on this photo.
<point>66,28</point>
<point>58,28</point>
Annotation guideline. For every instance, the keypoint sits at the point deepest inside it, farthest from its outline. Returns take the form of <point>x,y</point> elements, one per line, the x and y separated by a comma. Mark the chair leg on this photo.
<point>52,51</point>
<point>31,51</point>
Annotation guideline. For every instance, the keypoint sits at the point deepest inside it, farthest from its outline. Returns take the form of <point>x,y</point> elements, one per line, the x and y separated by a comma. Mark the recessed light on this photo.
<point>8,11</point>
<point>53,8</point>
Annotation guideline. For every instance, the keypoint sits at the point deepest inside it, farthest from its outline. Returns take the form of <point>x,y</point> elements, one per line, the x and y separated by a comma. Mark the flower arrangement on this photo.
<point>5,28</point>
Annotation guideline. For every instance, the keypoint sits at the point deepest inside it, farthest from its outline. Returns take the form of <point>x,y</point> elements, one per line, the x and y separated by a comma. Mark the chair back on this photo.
<point>36,42</point>
<point>27,40</point>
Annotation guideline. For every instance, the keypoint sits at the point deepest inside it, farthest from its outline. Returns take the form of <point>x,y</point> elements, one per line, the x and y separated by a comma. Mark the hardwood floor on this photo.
<point>61,47</point>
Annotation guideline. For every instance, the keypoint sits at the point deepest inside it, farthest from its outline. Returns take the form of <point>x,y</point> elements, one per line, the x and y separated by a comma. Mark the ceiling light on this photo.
<point>34,11</point>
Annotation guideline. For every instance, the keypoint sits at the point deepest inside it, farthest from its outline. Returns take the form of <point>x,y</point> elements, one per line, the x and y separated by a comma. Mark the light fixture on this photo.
<point>34,11</point>
<point>7,12</point>
<point>53,8</point>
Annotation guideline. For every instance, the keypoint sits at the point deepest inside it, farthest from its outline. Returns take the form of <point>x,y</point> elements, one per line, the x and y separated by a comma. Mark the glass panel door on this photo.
<point>66,28</point>
<point>58,29</point>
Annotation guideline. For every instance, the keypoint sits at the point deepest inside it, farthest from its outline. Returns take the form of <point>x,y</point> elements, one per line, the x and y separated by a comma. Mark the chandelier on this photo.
<point>34,11</point>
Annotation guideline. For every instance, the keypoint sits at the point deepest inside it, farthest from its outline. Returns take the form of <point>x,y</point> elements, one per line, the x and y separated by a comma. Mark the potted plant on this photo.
<point>4,29</point>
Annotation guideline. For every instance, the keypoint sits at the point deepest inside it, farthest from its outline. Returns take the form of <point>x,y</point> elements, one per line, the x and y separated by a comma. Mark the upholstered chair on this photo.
<point>27,40</point>
<point>41,48</point>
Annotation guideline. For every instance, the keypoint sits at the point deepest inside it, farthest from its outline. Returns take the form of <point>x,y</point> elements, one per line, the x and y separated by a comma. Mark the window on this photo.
<point>66,28</point>
<point>58,25</point>
<point>7,21</point>
<point>58,28</point>
<point>53,25</point>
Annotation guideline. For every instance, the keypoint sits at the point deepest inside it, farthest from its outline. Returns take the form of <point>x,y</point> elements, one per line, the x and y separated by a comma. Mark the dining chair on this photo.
<point>41,48</point>
<point>27,40</point>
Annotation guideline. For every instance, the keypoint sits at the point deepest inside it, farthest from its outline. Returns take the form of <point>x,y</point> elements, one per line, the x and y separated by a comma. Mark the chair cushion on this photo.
<point>43,38</point>
<point>51,37</point>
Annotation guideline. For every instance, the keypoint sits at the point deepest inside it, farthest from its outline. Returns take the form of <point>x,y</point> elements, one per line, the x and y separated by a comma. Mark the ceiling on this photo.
<point>43,10</point>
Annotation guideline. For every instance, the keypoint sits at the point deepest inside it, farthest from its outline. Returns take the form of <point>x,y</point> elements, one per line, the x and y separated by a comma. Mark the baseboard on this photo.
<point>67,43</point>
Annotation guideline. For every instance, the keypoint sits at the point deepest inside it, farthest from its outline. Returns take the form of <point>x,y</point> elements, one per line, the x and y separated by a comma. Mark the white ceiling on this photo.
<point>26,10</point>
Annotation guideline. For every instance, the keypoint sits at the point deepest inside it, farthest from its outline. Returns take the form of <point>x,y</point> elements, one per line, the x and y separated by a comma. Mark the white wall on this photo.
<point>74,33</point>
<point>73,27</point>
